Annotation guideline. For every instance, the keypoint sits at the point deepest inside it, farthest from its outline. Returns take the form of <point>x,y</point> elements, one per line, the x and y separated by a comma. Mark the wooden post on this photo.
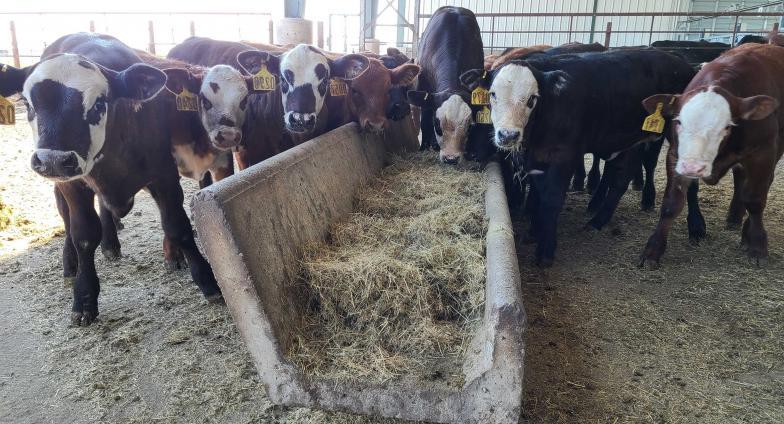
<point>320,34</point>
<point>607,35</point>
<point>775,27</point>
<point>193,29</point>
<point>14,46</point>
<point>271,32</point>
<point>151,46</point>
<point>92,26</point>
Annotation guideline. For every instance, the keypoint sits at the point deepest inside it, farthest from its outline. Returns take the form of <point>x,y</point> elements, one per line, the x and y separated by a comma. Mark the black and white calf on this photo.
<point>304,74</point>
<point>99,128</point>
<point>557,109</point>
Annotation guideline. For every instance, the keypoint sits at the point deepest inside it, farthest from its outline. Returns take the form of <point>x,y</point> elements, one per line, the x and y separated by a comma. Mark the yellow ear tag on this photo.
<point>186,101</point>
<point>480,96</point>
<point>7,112</point>
<point>337,87</point>
<point>655,121</point>
<point>264,80</point>
<point>483,116</point>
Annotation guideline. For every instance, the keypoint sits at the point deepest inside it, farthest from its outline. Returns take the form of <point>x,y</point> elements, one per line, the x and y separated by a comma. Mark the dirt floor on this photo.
<point>700,340</point>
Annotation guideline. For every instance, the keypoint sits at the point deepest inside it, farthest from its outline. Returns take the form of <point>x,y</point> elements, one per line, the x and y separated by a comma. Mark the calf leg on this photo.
<point>600,192</point>
<point>110,244</point>
<point>177,228</point>
<point>428,132</point>
<point>622,169</point>
<point>672,205</point>
<point>173,258</point>
<point>85,231</point>
<point>737,209</point>
<point>552,193</point>
<point>594,175</point>
<point>695,220</point>
<point>637,179</point>
<point>650,157</point>
<point>206,180</point>
<point>578,180</point>
<point>754,195</point>
<point>70,261</point>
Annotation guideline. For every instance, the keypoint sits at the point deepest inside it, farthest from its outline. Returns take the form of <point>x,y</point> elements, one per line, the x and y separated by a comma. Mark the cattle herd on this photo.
<point>110,121</point>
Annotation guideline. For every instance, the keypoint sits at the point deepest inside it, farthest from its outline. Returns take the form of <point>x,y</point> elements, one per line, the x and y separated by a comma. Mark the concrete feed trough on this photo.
<point>253,227</point>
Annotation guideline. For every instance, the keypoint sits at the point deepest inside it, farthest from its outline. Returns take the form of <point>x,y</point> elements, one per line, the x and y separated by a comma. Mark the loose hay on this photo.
<point>399,286</point>
<point>6,216</point>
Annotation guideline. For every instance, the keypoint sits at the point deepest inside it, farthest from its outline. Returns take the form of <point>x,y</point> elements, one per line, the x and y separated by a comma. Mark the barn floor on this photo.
<point>700,340</point>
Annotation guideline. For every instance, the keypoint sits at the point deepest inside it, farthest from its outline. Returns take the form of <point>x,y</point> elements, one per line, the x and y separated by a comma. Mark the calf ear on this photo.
<point>391,51</point>
<point>404,74</point>
<point>757,107</point>
<point>138,82</point>
<point>178,78</point>
<point>251,60</point>
<point>422,99</point>
<point>557,81</point>
<point>12,79</point>
<point>349,66</point>
<point>669,104</point>
<point>475,78</point>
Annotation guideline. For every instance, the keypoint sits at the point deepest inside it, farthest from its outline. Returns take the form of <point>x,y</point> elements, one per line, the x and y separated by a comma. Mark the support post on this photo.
<point>193,29</point>
<point>320,34</point>
<point>271,32</point>
<point>593,19</point>
<point>92,26</point>
<point>15,46</point>
<point>607,35</point>
<point>151,45</point>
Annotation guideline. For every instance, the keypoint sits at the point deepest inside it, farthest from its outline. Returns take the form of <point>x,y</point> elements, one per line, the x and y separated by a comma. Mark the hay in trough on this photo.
<point>398,287</point>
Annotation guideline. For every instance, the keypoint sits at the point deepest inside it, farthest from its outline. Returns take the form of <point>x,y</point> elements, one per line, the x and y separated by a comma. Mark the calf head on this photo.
<point>223,99</point>
<point>702,119</point>
<point>452,119</point>
<point>68,99</point>
<point>371,93</point>
<point>398,107</point>
<point>515,90</point>
<point>304,73</point>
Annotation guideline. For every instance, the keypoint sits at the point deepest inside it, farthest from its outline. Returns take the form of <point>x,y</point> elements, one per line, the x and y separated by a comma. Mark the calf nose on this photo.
<point>55,163</point>
<point>507,137</point>
<point>301,122</point>
<point>692,169</point>
<point>374,126</point>
<point>228,138</point>
<point>450,160</point>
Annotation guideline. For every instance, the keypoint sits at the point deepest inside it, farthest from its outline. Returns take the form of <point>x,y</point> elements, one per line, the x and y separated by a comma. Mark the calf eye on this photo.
<point>244,103</point>
<point>100,106</point>
<point>492,94</point>
<point>206,104</point>
<point>532,101</point>
<point>284,86</point>
<point>30,110</point>
<point>437,127</point>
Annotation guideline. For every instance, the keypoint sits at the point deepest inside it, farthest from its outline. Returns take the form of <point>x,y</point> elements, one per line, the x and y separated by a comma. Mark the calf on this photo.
<point>559,108</point>
<point>450,45</point>
<point>99,128</point>
<point>514,53</point>
<point>727,118</point>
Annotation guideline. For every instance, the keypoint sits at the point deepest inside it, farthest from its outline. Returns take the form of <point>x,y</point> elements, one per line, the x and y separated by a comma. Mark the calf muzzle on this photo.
<point>56,164</point>
<point>301,122</point>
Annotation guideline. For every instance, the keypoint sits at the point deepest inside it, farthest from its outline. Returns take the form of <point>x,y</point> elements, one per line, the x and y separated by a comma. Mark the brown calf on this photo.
<point>727,118</point>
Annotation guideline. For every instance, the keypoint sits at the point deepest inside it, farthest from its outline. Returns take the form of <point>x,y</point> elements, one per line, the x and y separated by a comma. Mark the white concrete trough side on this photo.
<point>254,224</point>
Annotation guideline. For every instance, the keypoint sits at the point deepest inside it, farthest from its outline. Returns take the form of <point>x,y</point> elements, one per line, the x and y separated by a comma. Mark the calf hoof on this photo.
<point>647,206</point>
<point>637,186</point>
<point>648,263</point>
<point>111,253</point>
<point>733,225</point>
<point>176,264</point>
<point>758,260</point>
<point>577,188</point>
<point>83,318</point>
<point>215,299</point>
<point>593,226</point>
<point>544,262</point>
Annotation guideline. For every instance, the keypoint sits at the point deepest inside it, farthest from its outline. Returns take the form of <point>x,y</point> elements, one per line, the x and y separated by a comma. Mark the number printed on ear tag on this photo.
<point>655,121</point>
<point>483,116</point>
<point>7,112</point>
<point>480,96</point>
<point>337,87</point>
<point>264,80</point>
<point>187,101</point>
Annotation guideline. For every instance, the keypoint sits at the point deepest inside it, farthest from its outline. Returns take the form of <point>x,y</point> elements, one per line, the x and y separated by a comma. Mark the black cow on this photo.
<point>99,128</point>
<point>450,45</point>
<point>694,52</point>
<point>559,108</point>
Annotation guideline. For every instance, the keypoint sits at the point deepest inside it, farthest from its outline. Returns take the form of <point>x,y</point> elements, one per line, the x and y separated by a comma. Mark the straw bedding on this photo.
<point>396,289</point>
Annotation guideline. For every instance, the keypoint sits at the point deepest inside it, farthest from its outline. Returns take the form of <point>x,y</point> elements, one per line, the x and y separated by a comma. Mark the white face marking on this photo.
<point>705,120</point>
<point>513,86</point>
<point>455,118</point>
<point>302,61</point>
<point>90,82</point>
<point>225,102</point>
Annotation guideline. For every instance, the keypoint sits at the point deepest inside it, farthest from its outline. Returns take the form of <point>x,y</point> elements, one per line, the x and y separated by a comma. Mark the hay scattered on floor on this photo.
<point>6,216</point>
<point>399,286</point>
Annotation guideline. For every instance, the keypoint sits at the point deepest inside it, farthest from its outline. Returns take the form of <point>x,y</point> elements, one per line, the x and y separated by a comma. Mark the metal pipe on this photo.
<point>593,20</point>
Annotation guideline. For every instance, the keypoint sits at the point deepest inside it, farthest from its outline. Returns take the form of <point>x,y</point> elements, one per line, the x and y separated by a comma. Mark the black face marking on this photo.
<point>86,64</point>
<point>532,101</point>
<point>226,122</point>
<point>97,111</point>
<point>244,103</point>
<point>284,87</point>
<point>289,76</point>
<point>30,110</point>
<point>321,71</point>
<point>322,88</point>
<point>206,104</point>
<point>301,100</point>
<point>61,122</point>
<point>437,127</point>
<point>313,49</point>
<point>215,87</point>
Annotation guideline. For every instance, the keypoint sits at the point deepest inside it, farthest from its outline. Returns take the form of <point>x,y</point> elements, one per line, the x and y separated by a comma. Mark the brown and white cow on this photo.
<point>100,128</point>
<point>728,118</point>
